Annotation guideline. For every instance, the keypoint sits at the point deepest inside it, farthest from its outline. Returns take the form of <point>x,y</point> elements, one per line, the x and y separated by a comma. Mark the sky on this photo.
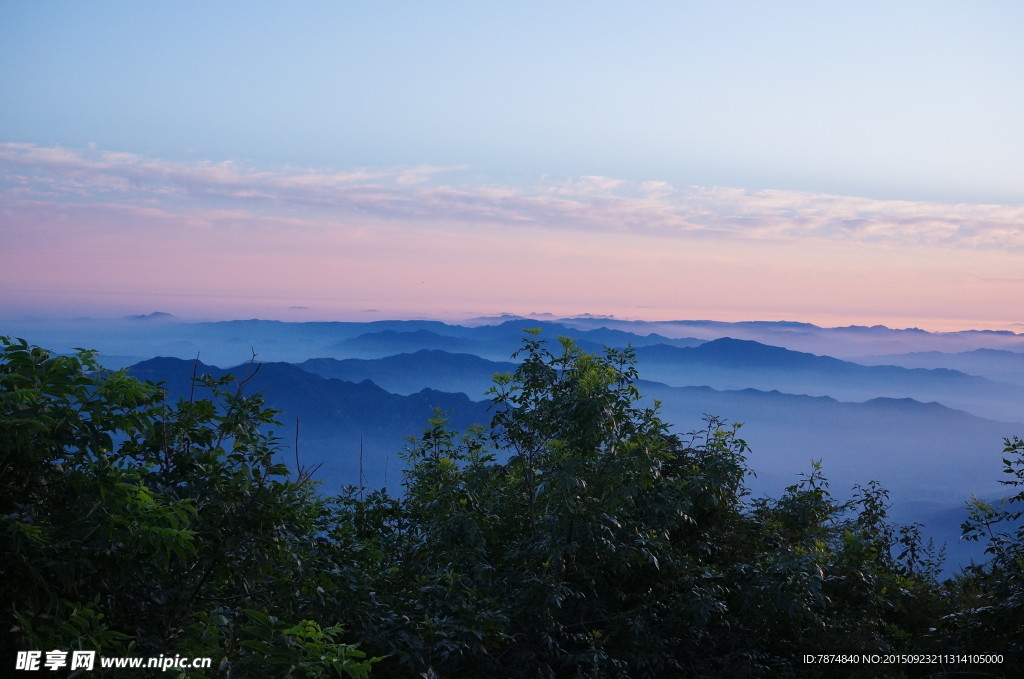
<point>835,163</point>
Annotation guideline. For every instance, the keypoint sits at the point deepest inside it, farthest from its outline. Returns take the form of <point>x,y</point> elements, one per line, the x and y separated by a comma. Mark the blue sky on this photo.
<point>911,108</point>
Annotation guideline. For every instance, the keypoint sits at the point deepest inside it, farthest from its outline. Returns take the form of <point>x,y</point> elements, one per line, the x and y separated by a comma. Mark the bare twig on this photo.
<point>195,373</point>
<point>255,369</point>
<point>298,466</point>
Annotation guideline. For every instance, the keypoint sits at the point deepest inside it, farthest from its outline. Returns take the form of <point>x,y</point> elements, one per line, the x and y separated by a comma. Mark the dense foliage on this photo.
<point>576,536</point>
<point>134,527</point>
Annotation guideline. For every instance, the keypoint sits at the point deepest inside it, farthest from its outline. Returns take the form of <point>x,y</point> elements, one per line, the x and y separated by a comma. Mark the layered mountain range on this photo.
<point>924,413</point>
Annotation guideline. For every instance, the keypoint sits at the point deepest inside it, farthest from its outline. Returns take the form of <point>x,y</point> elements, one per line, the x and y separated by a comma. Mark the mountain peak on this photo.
<point>154,316</point>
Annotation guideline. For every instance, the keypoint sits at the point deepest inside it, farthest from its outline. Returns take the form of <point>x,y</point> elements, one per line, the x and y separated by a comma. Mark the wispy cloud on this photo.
<point>36,175</point>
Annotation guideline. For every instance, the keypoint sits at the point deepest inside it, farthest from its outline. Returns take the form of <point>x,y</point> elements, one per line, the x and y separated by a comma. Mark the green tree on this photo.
<point>578,536</point>
<point>130,526</point>
<point>990,595</point>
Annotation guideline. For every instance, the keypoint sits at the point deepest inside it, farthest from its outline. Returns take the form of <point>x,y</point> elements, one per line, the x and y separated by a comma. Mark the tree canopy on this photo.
<point>134,527</point>
<point>573,536</point>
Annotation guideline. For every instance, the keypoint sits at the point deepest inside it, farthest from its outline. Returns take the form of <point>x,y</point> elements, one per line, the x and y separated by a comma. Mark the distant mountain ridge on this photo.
<point>154,316</point>
<point>1000,365</point>
<point>729,363</point>
<point>231,342</point>
<point>336,418</point>
<point>408,373</point>
<point>385,343</point>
